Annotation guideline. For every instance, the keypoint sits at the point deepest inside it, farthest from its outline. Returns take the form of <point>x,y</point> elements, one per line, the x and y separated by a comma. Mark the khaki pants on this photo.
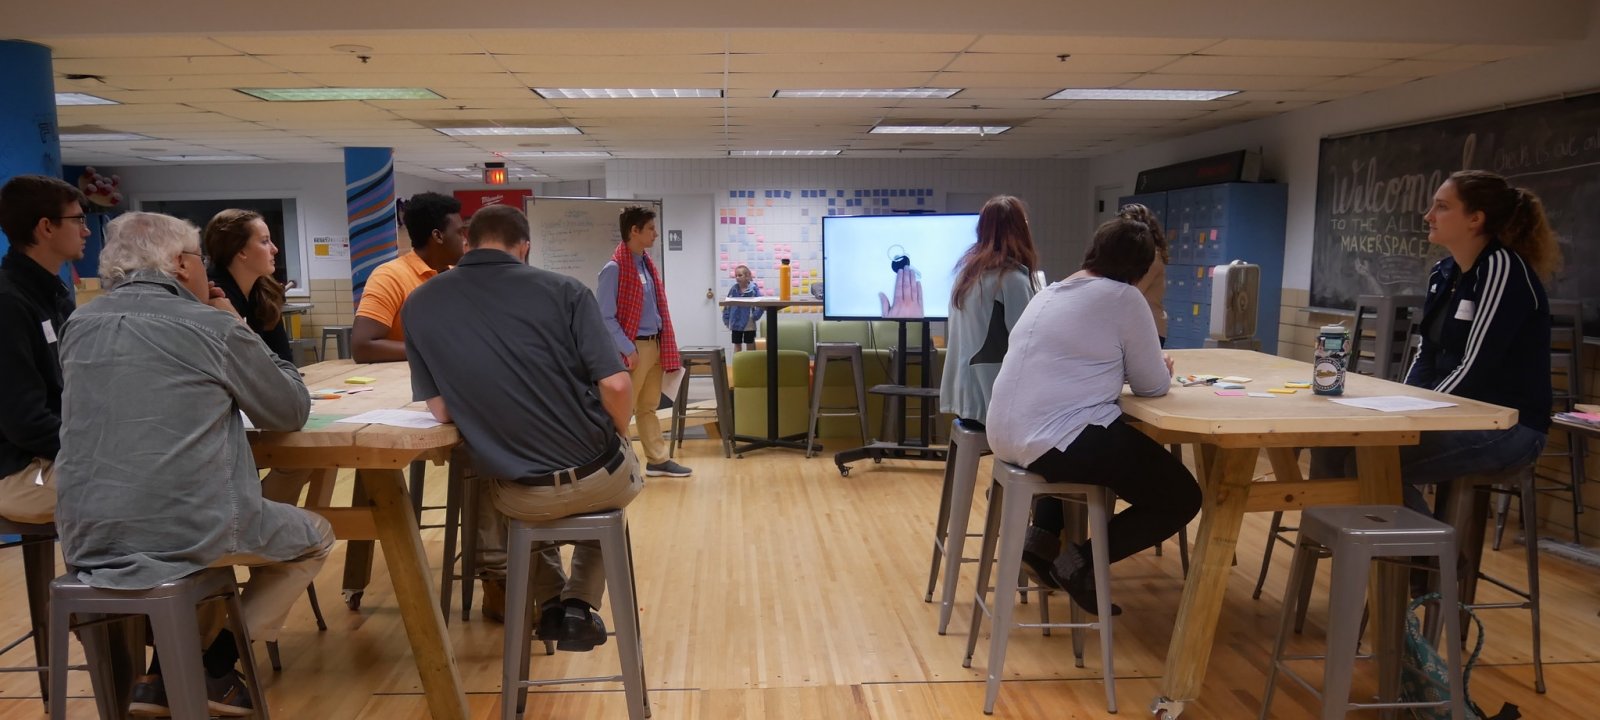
<point>601,491</point>
<point>272,589</point>
<point>29,495</point>
<point>285,486</point>
<point>646,376</point>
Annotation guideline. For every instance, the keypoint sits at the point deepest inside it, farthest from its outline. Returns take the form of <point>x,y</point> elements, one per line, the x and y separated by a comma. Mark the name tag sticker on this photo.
<point>1466,310</point>
<point>49,331</point>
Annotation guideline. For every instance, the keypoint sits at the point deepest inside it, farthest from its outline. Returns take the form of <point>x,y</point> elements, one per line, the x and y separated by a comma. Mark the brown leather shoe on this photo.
<point>494,599</point>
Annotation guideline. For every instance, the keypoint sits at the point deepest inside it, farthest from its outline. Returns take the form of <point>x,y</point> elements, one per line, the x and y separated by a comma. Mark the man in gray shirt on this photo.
<point>519,359</point>
<point>155,479</point>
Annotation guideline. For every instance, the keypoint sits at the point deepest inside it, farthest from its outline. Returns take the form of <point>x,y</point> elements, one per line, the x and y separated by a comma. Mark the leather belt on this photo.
<point>609,460</point>
<point>656,336</point>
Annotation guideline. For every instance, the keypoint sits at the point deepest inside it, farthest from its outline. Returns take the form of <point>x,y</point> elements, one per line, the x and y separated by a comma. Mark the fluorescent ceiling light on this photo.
<point>102,136</point>
<point>202,158</point>
<point>1139,94</point>
<point>783,153</point>
<point>72,98</point>
<point>900,93</point>
<point>497,130</point>
<point>339,93</point>
<point>455,170</point>
<point>940,129</point>
<point>617,93</point>
<point>555,154</point>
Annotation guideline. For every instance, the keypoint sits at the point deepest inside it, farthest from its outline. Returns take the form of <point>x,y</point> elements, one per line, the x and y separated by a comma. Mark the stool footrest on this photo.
<point>571,681</point>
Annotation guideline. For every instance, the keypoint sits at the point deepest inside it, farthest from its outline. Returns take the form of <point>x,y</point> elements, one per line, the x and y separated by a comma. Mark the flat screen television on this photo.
<point>886,267</point>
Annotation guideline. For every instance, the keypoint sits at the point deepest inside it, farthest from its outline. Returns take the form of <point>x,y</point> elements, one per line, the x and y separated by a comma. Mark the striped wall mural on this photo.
<point>370,212</point>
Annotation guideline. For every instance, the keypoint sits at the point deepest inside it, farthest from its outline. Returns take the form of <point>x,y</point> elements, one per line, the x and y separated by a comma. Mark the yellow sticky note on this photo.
<point>359,380</point>
<point>1281,391</point>
<point>1301,385</point>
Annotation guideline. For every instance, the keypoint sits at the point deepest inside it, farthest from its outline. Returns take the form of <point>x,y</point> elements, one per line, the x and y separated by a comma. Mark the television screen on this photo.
<point>892,266</point>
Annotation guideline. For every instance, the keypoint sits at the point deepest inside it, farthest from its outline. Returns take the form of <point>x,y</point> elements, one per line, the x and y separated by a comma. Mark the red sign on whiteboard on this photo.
<point>475,200</point>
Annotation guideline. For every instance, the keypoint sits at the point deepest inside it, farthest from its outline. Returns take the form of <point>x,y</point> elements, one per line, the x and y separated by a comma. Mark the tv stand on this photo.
<point>927,395</point>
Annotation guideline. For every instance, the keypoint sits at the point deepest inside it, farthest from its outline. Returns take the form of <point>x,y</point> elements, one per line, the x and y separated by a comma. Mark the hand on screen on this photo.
<point>907,296</point>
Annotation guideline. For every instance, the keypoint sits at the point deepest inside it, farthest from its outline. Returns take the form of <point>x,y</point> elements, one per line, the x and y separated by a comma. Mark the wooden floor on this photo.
<point>771,587</point>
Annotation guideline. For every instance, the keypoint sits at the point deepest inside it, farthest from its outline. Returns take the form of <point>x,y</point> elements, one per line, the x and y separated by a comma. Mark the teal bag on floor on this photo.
<point>1425,674</point>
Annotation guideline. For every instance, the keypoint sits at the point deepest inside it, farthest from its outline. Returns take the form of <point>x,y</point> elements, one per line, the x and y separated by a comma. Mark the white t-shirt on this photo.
<point>1070,353</point>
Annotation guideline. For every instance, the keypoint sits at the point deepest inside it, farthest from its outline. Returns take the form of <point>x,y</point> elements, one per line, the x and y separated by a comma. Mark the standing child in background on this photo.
<point>742,320</point>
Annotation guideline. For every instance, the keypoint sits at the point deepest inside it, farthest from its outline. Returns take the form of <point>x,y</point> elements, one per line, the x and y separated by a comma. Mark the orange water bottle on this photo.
<point>783,280</point>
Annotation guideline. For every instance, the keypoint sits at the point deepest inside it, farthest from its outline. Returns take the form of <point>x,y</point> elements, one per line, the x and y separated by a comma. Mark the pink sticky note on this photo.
<point>724,256</point>
<point>1231,393</point>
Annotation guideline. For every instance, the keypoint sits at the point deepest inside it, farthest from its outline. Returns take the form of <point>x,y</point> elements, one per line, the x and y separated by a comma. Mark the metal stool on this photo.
<point>1466,504</point>
<point>1010,502</point>
<point>340,334</point>
<point>305,349</point>
<point>610,529</point>
<point>950,534</point>
<point>1277,534</point>
<point>171,610</point>
<point>1355,536</point>
<point>838,351</point>
<point>38,568</point>
<point>715,360</point>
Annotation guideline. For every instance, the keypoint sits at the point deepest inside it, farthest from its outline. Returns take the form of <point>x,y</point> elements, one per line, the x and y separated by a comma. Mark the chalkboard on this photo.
<point>576,236</point>
<point>1373,189</point>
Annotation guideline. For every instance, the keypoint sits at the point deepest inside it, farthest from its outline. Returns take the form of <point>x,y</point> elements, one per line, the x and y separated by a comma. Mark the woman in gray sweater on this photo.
<point>1071,352</point>
<point>993,285</point>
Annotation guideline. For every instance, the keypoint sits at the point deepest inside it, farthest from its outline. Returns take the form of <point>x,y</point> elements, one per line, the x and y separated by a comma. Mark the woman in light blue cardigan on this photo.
<point>994,282</point>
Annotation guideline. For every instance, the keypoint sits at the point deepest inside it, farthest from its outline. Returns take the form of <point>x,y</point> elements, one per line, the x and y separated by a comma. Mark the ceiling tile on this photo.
<point>1481,53</point>
<point>427,80</point>
<point>1228,65</point>
<point>800,81</point>
<point>1412,69</point>
<point>610,42</point>
<point>1167,81</point>
<point>390,63</point>
<point>808,41</point>
<point>993,80</point>
<point>839,62</point>
<point>127,47</point>
<point>1048,64</point>
<point>207,82</point>
<point>1313,48</point>
<point>1357,84</point>
<point>646,64</point>
<point>1054,45</point>
<point>199,65</point>
<point>380,43</point>
<point>618,80</point>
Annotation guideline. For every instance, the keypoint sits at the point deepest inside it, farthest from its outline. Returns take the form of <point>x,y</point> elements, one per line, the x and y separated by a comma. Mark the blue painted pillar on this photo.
<point>370,211</point>
<point>30,143</point>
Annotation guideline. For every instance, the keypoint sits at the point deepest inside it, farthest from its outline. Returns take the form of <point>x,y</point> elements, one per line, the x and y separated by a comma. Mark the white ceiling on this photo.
<point>179,90</point>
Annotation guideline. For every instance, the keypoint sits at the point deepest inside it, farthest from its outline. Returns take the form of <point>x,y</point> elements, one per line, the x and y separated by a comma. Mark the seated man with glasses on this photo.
<point>156,480</point>
<point>44,219</point>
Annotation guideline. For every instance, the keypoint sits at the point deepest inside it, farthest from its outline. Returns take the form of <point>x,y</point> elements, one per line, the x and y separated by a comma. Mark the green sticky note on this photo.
<point>317,421</point>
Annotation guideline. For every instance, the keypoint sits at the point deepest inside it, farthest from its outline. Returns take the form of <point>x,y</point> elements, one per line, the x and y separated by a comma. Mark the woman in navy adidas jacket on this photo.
<point>1485,328</point>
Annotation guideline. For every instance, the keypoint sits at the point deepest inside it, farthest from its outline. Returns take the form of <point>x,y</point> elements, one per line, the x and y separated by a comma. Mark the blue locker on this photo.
<point>1213,225</point>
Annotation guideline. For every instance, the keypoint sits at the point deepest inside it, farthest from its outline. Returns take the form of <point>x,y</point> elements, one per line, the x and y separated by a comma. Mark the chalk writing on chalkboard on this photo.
<point>1373,189</point>
<point>576,236</point>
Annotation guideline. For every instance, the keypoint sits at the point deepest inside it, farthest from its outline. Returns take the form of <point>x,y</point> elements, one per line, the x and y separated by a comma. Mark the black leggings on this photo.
<point>1162,495</point>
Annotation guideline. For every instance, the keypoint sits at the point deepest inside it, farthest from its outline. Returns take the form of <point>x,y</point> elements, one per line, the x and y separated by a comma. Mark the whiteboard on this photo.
<point>576,236</point>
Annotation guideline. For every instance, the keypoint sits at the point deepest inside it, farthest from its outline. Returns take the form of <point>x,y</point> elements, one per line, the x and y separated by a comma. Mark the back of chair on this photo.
<point>1566,352</point>
<point>1388,321</point>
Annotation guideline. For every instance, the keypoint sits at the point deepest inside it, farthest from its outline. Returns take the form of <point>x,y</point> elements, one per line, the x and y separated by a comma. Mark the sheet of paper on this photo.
<point>670,383</point>
<point>1394,403</point>
<point>246,418</point>
<point>393,418</point>
<point>1266,395</point>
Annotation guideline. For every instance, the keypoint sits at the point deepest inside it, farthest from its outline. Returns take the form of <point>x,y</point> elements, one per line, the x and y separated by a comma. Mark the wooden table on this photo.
<point>1230,432</point>
<point>771,305</point>
<point>378,453</point>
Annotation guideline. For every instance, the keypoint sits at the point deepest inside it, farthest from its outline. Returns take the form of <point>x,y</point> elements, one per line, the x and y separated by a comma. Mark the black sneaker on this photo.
<point>667,468</point>
<point>149,697</point>
<point>585,631</point>
<point>227,696</point>
<point>1080,587</point>
<point>552,625</point>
